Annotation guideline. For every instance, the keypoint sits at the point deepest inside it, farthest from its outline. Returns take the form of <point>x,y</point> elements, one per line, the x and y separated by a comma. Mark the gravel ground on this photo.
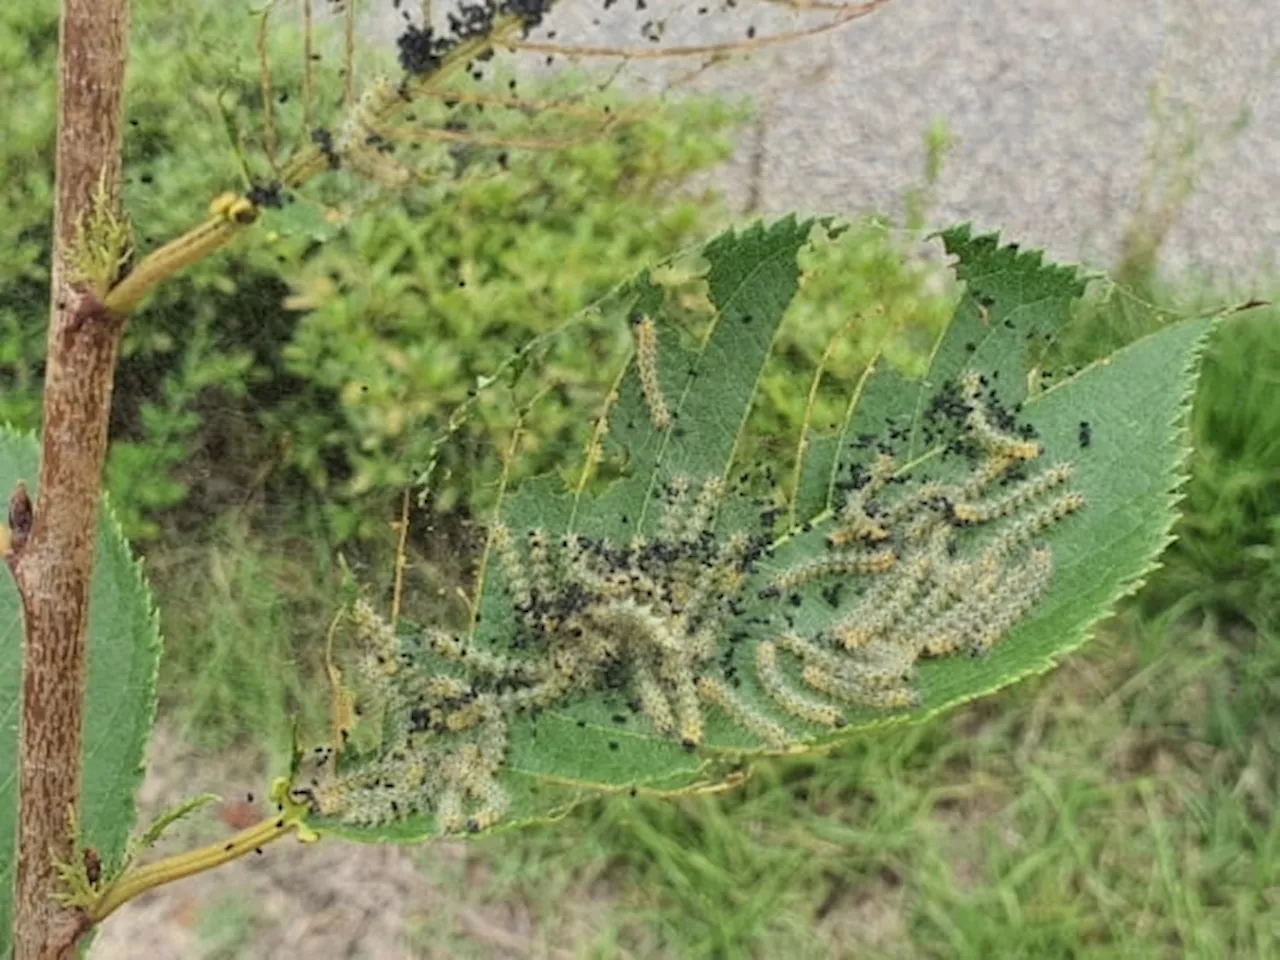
<point>324,901</point>
<point>1048,103</point>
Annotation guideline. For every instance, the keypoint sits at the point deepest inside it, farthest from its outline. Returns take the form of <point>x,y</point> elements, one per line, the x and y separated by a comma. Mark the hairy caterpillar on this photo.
<point>836,564</point>
<point>704,508</point>
<point>985,511</point>
<point>513,574</point>
<point>1015,597</point>
<point>646,334</point>
<point>688,709</point>
<point>884,604</point>
<point>541,570</point>
<point>994,441</point>
<point>874,666</point>
<point>857,522</point>
<point>716,692</point>
<point>1040,520</point>
<point>894,697</point>
<point>451,647</point>
<point>381,662</point>
<point>676,494</point>
<point>653,701</point>
<point>787,697</point>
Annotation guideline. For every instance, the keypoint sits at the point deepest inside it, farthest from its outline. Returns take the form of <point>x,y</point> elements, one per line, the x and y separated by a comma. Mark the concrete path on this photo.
<point>1048,103</point>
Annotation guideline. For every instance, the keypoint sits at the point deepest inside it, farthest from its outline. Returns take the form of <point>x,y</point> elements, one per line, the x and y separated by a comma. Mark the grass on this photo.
<point>225,928</point>
<point>245,610</point>
<point>243,621</point>
<point>1122,806</point>
<point>1228,555</point>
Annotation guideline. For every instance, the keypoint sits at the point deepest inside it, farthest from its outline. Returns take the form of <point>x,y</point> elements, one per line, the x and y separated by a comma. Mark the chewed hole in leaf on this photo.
<point>444,739</point>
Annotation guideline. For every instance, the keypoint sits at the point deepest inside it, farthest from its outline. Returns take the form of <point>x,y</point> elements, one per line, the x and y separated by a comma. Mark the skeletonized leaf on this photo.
<point>647,628</point>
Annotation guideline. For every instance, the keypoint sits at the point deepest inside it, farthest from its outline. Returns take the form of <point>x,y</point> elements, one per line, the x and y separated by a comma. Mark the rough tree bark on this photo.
<point>52,553</point>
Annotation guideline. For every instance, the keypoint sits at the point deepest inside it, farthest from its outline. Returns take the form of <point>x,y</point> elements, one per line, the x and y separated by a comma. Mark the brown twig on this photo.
<point>533,106</point>
<point>498,140</point>
<point>349,56</point>
<point>264,83</point>
<point>846,15</point>
<point>402,541</point>
<point>52,568</point>
<point>307,82</point>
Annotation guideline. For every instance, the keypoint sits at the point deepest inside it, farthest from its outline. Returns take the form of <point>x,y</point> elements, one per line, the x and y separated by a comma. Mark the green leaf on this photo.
<point>124,653</point>
<point>1013,307</point>
<point>1134,403</point>
<point>674,422</point>
<point>750,279</point>
<point>179,811</point>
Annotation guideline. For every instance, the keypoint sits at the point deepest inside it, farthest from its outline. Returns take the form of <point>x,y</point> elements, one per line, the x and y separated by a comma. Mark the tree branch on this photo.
<point>52,568</point>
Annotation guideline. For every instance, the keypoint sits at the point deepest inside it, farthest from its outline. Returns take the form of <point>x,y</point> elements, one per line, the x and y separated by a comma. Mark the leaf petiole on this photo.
<point>138,880</point>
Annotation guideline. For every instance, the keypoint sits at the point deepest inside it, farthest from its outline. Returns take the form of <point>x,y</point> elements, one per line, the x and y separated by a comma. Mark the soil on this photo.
<point>327,900</point>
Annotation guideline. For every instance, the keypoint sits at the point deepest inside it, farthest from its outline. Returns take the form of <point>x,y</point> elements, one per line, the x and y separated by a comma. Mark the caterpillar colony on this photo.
<point>940,568</point>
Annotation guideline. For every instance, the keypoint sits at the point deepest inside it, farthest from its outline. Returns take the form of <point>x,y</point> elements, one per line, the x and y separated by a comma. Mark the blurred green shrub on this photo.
<point>225,390</point>
<point>314,364</point>
<point>408,310</point>
<point>185,344</point>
